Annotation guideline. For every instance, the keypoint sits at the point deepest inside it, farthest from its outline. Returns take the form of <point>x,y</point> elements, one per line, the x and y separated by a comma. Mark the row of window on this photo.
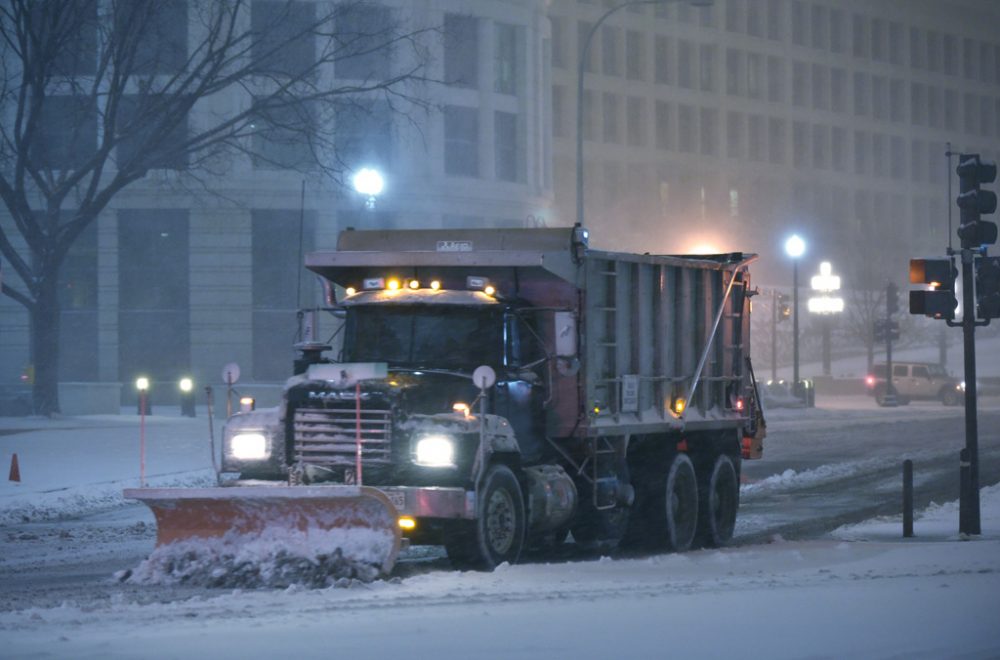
<point>822,27</point>
<point>757,138</point>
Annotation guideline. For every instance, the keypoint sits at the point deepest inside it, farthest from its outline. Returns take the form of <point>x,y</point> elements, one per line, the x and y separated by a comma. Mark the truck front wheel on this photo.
<point>497,534</point>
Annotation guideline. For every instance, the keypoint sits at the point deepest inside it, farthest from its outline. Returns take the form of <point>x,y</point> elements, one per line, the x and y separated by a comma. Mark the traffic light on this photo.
<point>987,287</point>
<point>973,201</point>
<point>784,308</point>
<point>885,330</point>
<point>938,300</point>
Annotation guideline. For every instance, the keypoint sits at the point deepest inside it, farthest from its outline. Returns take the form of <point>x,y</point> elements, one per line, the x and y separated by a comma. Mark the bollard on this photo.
<point>965,518</point>
<point>907,499</point>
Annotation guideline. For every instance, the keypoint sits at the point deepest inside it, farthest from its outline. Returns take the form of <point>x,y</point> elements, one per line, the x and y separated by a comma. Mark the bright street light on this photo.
<point>826,304</point>
<point>795,247</point>
<point>369,182</point>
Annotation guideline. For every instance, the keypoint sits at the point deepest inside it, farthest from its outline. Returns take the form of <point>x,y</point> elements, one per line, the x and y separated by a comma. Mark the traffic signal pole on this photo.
<point>968,512</point>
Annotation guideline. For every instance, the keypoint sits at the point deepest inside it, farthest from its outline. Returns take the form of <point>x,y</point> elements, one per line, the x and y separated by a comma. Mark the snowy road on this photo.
<point>836,464</point>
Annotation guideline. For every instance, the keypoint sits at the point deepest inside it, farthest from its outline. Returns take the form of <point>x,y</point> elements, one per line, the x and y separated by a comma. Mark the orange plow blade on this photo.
<point>359,522</point>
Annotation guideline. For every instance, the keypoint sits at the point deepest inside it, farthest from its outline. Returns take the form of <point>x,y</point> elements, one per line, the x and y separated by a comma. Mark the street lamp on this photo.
<point>142,384</point>
<point>826,305</point>
<point>795,247</point>
<point>369,182</point>
<point>186,386</point>
<point>584,55</point>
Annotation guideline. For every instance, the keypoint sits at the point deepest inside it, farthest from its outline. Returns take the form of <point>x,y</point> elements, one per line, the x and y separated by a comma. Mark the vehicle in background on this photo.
<point>915,381</point>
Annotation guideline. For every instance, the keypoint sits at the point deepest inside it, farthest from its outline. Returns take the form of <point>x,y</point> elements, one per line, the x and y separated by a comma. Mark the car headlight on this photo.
<point>249,446</point>
<point>961,386</point>
<point>435,451</point>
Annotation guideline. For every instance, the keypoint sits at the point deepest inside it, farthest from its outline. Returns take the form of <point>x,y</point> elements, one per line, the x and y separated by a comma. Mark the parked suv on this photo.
<point>916,380</point>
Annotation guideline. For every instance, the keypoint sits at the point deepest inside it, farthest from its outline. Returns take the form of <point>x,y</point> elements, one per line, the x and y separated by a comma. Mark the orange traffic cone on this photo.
<point>15,471</point>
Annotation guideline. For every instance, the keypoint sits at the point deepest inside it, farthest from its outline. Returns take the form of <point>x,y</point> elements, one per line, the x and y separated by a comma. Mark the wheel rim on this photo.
<point>500,521</point>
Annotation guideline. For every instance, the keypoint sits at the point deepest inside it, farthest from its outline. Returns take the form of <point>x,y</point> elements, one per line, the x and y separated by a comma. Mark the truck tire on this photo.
<point>719,499</point>
<point>497,535</point>
<point>678,505</point>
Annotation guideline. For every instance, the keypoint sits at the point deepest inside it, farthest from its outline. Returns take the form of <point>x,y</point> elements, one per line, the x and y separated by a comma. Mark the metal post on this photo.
<point>970,513</point>
<point>774,336</point>
<point>826,345</point>
<point>142,438</point>
<point>907,498</point>
<point>795,327</point>
<point>964,512</point>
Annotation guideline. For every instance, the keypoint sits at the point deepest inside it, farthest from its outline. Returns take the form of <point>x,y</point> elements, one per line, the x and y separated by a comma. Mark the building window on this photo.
<point>775,19</point>
<point>141,119</point>
<point>635,55</point>
<point>283,36</point>
<point>934,51</point>
<point>733,72</point>
<point>819,26</point>
<point>461,50</point>
<point>950,55</point>
<point>880,98</point>
<point>558,42</point>
<point>153,295</point>
<point>820,137</point>
<point>800,84</point>
<point>587,114</point>
<point>687,128</point>
<point>609,107</point>
<point>506,59</point>
<point>756,138</point>
<point>800,34</point>
<point>800,144</point>
<point>662,61</point>
<point>364,36</point>
<point>685,64</point>
<point>776,140</point>
<point>859,36</point>
<point>775,80</point>
<point>861,93</point>
<point>755,76</point>
<point>583,29</point>
<point>878,39</point>
<point>461,141</point>
<point>917,48</point>
<point>838,148</point>
<point>610,64</point>
<point>78,54</point>
<point>78,309</point>
<point>363,136</point>
<point>282,137</point>
<point>70,135</point>
<point>934,113</point>
<point>505,146</point>
<point>918,164</point>
<point>734,135</point>
<point>709,134</point>
<point>838,90</point>
<point>971,114</point>
<point>276,274</point>
<point>897,102</point>
<point>918,104</point>
<point>838,29</point>
<point>559,119</point>
<point>163,47</point>
<point>862,145</point>
<point>663,121</point>
<point>635,125</point>
<point>895,43</point>
<point>706,68</point>
<point>897,162</point>
<point>820,87</point>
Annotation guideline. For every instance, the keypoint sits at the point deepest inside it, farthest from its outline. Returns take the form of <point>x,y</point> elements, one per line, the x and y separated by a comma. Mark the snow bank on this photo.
<point>275,558</point>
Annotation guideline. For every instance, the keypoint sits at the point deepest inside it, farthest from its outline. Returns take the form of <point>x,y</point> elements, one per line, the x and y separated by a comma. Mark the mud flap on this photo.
<point>359,522</point>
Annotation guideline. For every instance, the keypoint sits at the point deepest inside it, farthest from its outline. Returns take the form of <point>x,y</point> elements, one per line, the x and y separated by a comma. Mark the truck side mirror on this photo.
<point>565,334</point>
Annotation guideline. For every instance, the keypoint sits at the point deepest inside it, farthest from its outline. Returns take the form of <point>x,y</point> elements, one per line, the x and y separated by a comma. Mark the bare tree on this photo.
<point>96,94</point>
<point>869,270</point>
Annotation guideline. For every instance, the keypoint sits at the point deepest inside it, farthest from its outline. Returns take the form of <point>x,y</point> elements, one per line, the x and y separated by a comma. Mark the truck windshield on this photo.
<point>429,336</point>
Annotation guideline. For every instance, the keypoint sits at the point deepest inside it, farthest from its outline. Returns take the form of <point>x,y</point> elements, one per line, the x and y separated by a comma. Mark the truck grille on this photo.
<point>328,436</point>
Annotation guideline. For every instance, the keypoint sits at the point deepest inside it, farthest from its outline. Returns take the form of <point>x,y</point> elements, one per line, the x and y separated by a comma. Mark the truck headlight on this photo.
<point>249,446</point>
<point>435,451</point>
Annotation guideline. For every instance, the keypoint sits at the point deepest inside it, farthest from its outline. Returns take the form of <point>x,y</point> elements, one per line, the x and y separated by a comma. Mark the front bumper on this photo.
<point>415,501</point>
<point>432,502</point>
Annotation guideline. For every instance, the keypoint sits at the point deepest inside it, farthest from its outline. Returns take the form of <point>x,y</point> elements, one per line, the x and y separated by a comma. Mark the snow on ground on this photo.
<point>862,591</point>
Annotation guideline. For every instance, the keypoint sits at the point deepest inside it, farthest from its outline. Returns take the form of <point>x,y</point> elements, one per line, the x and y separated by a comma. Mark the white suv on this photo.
<point>916,380</point>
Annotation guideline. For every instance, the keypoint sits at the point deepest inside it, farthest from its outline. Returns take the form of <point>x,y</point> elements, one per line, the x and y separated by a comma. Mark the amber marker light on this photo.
<point>435,284</point>
<point>350,291</point>
<point>489,290</point>
<point>462,408</point>
<point>414,284</point>
<point>407,523</point>
<point>393,285</point>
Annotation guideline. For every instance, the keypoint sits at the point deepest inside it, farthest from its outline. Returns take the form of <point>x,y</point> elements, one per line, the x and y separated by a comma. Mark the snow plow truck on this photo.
<point>493,391</point>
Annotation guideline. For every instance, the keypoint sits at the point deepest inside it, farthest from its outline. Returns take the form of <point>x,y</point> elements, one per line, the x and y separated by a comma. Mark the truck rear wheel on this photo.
<point>680,504</point>
<point>497,534</point>
<point>720,495</point>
